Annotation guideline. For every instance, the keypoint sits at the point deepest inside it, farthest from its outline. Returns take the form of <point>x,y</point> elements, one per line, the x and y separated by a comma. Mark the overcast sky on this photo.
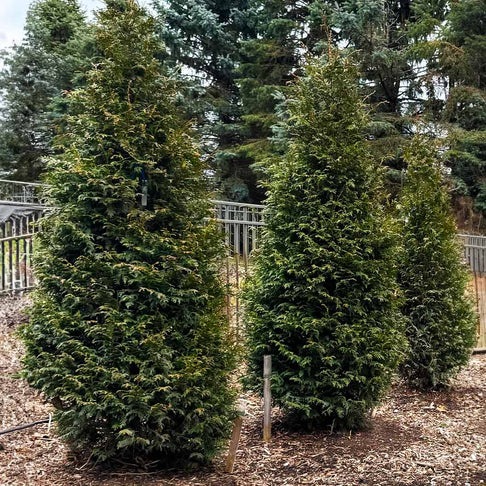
<point>12,18</point>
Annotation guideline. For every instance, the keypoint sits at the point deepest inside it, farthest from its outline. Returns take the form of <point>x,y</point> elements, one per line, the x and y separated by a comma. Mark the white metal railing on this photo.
<point>21,193</point>
<point>16,246</point>
<point>241,222</point>
<point>242,225</point>
<point>19,224</point>
<point>474,252</point>
<point>16,263</point>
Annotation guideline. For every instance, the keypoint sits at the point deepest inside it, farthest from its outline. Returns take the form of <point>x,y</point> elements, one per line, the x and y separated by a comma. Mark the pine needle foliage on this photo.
<point>442,323</point>
<point>127,335</point>
<point>322,299</point>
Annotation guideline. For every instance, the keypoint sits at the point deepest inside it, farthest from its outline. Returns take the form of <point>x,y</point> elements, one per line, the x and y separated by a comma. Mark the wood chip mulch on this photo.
<point>414,439</point>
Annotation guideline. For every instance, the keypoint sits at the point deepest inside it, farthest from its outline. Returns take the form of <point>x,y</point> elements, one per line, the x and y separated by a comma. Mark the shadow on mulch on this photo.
<point>296,452</point>
<point>479,477</point>
<point>382,435</point>
<point>451,398</point>
<point>80,468</point>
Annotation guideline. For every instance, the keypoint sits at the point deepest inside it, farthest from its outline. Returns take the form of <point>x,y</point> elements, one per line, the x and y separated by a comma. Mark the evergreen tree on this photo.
<point>376,29</point>
<point>462,60</point>
<point>203,37</point>
<point>270,60</point>
<point>409,52</point>
<point>266,64</point>
<point>242,54</point>
<point>322,299</point>
<point>55,49</point>
<point>127,335</point>
<point>441,327</point>
<point>464,52</point>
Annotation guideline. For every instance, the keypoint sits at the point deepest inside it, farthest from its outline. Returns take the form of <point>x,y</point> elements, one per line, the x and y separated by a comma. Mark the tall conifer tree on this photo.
<point>322,300</point>
<point>204,39</point>
<point>268,61</point>
<point>283,31</point>
<point>241,53</point>
<point>127,335</point>
<point>441,324</point>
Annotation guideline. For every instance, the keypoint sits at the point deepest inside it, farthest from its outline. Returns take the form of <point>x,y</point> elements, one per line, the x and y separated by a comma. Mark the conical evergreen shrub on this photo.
<point>323,297</point>
<point>127,336</point>
<point>442,324</point>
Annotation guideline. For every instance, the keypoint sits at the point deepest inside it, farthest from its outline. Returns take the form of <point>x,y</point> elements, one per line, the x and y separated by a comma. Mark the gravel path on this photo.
<point>414,439</point>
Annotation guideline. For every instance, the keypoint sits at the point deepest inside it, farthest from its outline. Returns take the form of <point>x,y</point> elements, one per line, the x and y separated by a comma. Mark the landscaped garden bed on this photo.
<point>435,438</point>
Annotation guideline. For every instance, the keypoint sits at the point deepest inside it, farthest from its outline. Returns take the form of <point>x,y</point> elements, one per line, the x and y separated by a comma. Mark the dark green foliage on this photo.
<point>55,50</point>
<point>463,61</point>
<point>466,106</point>
<point>323,298</point>
<point>241,54</point>
<point>441,327</point>
<point>269,62</point>
<point>464,55</point>
<point>128,336</point>
<point>204,38</point>
<point>397,64</point>
<point>379,34</point>
<point>467,159</point>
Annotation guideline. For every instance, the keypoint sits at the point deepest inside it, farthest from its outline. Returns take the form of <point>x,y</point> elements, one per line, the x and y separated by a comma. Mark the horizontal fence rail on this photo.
<point>242,225</point>
<point>20,224</point>
<point>25,193</point>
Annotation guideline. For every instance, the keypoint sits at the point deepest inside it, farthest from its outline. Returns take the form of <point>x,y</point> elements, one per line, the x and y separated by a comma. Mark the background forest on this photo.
<point>419,59</point>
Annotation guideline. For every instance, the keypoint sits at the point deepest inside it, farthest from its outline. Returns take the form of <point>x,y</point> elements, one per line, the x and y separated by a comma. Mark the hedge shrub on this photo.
<point>127,335</point>
<point>322,299</point>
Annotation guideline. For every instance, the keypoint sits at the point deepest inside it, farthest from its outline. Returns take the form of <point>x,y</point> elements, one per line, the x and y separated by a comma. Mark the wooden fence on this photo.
<point>478,286</point>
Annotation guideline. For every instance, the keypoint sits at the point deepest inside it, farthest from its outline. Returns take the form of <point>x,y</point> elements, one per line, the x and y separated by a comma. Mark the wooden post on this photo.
<point>235,439</point>
<point>267,398</point>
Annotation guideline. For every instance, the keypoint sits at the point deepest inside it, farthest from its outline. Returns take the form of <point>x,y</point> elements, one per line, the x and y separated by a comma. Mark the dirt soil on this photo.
<point>414,439</point>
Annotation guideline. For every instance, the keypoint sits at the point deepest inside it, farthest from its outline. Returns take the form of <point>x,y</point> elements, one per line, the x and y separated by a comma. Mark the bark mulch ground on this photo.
<point>414,439</point>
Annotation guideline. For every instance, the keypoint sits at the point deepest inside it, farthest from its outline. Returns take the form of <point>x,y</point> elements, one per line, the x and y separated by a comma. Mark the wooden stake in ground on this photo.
<point>235,439</point>
<point>267,398</point>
